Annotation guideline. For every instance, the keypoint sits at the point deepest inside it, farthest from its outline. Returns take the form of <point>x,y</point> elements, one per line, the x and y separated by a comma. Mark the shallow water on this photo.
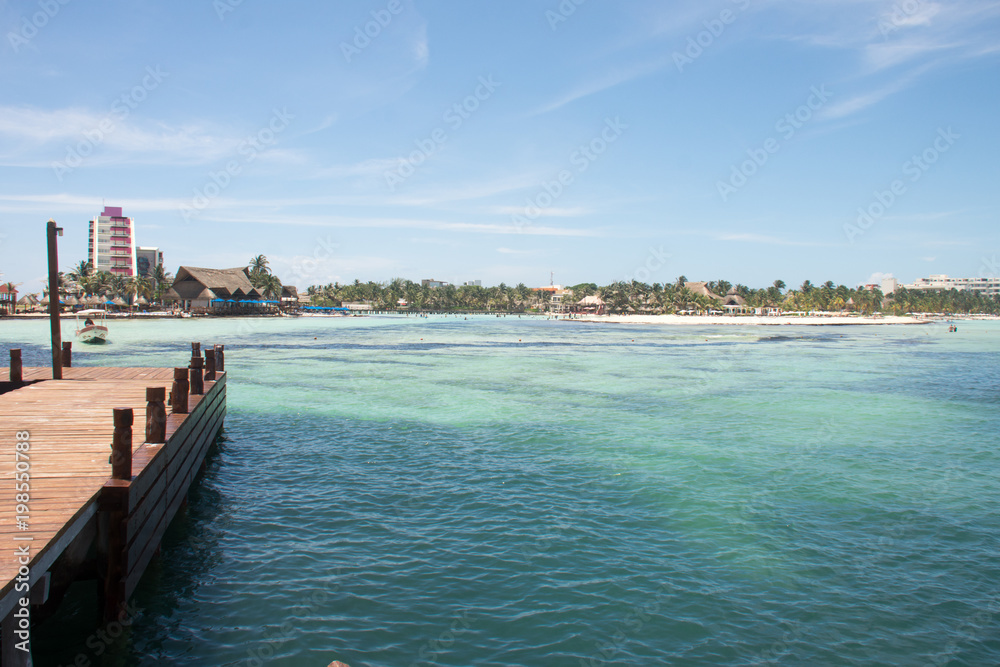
<point>514,491</point>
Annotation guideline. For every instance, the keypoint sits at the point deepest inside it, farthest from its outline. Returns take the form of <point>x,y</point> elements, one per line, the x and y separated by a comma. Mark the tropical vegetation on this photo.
<point>638,297</point>
<point>83,281</point>
<point>262,278</point>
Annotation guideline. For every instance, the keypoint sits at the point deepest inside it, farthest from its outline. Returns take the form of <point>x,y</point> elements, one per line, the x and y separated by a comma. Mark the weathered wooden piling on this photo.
<point>16,370</point>
<point>156,414</point>
<point>197,379</point>
<point>209,365</point>
<point>121,444</point>
<point>220,358</point>
<point>67,354</point>
<point>179,392</point>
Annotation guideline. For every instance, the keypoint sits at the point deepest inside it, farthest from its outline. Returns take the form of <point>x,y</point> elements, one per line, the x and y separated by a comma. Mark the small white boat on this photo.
<point>93,329</point>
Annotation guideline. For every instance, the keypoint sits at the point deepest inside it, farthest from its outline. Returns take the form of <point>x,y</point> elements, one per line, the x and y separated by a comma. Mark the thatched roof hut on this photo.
<point>733,299</point>
<point>196,287</point>
<point>702,289</point>
<point>193,283</point>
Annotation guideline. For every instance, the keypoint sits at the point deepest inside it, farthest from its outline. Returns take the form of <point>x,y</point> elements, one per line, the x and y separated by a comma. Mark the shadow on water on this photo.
<point>76,633</point>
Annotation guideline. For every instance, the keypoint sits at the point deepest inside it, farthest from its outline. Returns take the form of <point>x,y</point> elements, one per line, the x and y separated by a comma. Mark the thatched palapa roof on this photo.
<point>195,283</point>
<point>702,289</point>
<point>733,299</point>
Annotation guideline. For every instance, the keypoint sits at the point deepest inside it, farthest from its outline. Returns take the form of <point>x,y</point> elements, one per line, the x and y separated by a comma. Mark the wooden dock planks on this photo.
<point>71,426</point>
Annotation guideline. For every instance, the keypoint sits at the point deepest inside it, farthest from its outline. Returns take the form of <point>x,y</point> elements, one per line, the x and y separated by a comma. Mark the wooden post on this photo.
<point>16,370</point>
<point>195,350</point>
<point>51,231</point>
<point>220,358</point>
<point>197,380</point>
<point>209,365</point>
<point>179,392</point>
<point>156,414</point>
<point>67,354</point>
<point>121,445</point>
<point>111,545</point>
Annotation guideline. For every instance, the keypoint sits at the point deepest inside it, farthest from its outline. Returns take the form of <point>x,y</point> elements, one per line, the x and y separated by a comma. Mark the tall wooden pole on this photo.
<point>51,232</point>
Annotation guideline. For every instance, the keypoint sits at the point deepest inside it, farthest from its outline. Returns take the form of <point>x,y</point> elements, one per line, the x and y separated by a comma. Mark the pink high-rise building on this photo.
<point>112,243</point>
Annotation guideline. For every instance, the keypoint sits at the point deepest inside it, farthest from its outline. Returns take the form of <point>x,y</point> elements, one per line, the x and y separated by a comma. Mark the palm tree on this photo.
<point>259,271</point>
<point>12,291</point>
<point>143,287</point>
<point>271,287</point>
<point>81,271</point>
<point>160,276</point>
<point>259,264</point>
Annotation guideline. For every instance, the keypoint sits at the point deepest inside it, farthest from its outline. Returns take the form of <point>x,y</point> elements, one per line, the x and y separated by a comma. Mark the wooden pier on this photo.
<point>98,499</point>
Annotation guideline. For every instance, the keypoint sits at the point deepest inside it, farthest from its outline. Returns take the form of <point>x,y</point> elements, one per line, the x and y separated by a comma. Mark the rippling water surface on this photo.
<point>394,491</point>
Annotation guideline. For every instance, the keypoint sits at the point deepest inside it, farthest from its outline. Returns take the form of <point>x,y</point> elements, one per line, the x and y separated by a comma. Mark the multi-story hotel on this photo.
<point>112,243</point>
<point>147,259</point>
<point>986,286</point>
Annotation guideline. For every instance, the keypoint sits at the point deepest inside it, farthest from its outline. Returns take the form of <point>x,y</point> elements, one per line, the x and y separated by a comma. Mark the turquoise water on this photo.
<point>441,491</point>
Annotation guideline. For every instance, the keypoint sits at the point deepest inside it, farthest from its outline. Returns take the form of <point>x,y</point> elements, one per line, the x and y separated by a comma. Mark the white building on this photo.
<point>986,286</point>
<point>147,259</point>
<point>111,244</point>
<point>889,285</point>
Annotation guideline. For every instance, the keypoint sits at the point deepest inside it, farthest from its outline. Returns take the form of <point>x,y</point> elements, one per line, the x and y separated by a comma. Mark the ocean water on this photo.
<point>515,491</point>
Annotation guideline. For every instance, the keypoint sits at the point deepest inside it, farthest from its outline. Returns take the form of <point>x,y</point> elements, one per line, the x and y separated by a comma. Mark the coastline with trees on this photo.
<point>733,302</point>
<point>681,297</point>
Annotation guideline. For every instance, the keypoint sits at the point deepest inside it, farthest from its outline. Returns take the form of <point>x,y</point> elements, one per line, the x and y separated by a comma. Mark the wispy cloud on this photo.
<point>615,78</point>
<point>550,212</point>
<point>862,101</point>
<point>30,135</point>
<point>326,123</point>
<point>762,239</point>
<point>905,40</point>
<point>400,223</point>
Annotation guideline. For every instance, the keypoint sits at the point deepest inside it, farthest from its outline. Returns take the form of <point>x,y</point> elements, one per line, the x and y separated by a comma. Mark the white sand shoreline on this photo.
<point>735,320</point>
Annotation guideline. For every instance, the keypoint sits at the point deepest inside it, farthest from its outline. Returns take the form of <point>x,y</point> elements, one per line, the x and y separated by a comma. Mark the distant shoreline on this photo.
<point>735,320</point>
<point>672,320</point>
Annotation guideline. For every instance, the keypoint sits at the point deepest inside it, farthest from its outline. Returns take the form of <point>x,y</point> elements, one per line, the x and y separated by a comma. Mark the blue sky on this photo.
<point>736,139</point>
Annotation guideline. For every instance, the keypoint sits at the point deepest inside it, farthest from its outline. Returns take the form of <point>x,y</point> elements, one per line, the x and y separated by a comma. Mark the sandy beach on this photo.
<point>714,320</point>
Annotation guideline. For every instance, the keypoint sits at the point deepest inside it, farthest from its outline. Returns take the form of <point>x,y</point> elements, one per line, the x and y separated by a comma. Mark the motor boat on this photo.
<point>91,326</point>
